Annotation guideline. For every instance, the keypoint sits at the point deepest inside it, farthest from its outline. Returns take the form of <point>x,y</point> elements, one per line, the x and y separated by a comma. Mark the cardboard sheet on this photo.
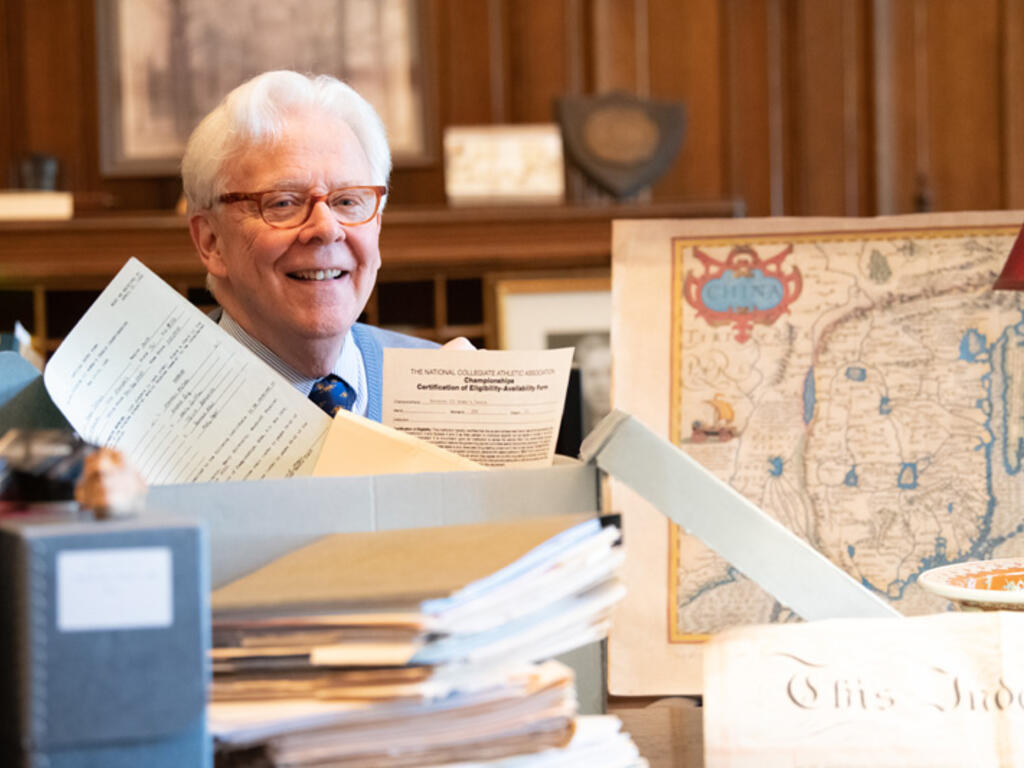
<point>387,568</point>
<point>358,446</point>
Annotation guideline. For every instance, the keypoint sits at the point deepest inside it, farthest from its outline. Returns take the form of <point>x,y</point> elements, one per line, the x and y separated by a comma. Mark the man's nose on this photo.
<point>322,224</point>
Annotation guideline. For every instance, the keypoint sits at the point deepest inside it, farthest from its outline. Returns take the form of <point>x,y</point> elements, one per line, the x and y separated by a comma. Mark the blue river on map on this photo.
<point>810,396</point>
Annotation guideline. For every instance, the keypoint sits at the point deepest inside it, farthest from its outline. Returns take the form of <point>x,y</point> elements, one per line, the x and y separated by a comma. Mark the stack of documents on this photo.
<point>416,647</point>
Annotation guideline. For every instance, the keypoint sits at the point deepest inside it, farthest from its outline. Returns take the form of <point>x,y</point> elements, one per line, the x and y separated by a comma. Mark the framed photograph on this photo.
<point>163,64</point>
<point>548,313</point>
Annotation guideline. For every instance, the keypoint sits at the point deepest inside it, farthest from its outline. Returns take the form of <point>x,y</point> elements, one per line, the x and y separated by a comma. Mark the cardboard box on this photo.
<point>252,523</point>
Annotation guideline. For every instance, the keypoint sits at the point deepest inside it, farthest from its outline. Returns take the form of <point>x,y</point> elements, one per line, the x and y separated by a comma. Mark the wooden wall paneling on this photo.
<point>798,106</point>
<point>465,63</point>
<point>748,109</point>
<point>425,181</point>
<point>89,190</point>
<point>54,100</point>
<point>883,94</point>
<point>498,50</point>
<point>779,111</point>
<point>543,51</point>
<point>578,53</point>
<point>963,98</point>
<point>899,136</point>
<point>1013,101</point>
<point>823,144</point>
<point>50,83</point>
<point>618,55</point>
<point>686,57</point>
<point>923,181</point>
<point>12,111</point>
<point>787,109</point>
<point>859,107</point>
<point>7,41</point>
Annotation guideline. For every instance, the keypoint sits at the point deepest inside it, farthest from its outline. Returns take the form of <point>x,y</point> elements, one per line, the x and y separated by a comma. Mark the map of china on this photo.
<point>866,390</point>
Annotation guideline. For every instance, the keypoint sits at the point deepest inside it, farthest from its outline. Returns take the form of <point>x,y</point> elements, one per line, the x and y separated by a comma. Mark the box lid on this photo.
<point>23,399</point>
<point>757,545</point>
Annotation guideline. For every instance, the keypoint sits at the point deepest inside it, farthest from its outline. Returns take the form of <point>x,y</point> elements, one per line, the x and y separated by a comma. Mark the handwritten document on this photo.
<point>497,408</point>
<point>146,372</point>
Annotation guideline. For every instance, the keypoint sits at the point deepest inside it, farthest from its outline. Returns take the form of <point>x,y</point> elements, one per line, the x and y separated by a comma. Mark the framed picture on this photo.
<point>163,64</point>
<point>548,313</point>
<point>498,164</point>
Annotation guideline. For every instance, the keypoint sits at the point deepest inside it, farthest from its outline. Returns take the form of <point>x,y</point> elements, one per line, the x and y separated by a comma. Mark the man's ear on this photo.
<point>207,242</point>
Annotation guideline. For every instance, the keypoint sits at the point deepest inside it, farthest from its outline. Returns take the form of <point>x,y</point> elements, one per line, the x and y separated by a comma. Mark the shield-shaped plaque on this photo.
<point>620,142</point>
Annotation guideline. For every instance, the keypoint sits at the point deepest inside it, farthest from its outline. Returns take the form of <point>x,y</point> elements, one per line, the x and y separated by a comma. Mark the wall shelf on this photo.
<point>418,245</point>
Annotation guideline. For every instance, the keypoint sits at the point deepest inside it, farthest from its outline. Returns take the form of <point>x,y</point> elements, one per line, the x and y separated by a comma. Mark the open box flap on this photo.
<point>757,545</point>
<point>24,402</point>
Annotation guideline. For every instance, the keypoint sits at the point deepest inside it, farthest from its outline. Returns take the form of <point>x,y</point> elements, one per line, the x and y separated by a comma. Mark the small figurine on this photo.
<point>110,486</point>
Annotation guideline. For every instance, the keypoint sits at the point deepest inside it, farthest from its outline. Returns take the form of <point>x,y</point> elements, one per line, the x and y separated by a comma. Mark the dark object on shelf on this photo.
<point>38,171</point>
<point>621,143</point>
<point>41,464</point>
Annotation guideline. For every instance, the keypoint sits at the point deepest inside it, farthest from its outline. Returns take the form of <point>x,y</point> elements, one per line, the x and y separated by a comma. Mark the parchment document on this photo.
<point>496,408</point>
<point>146,372</point>
<point>942,691</point>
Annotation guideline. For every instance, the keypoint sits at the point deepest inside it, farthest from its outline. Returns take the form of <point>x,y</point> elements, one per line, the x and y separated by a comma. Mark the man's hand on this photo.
<point>459,344</point>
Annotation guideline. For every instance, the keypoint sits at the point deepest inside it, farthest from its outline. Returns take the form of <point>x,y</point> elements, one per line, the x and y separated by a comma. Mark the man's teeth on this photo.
<point>318,274</point>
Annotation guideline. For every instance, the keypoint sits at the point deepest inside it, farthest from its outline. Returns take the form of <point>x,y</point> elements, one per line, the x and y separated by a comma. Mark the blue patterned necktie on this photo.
<point>333,393</point>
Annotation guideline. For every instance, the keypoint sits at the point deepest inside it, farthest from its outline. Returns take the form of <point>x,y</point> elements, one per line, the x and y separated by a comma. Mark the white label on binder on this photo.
<point>124,588</point>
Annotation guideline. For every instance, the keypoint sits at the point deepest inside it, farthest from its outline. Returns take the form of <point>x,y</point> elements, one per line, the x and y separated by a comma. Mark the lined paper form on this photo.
<point>146,372</point>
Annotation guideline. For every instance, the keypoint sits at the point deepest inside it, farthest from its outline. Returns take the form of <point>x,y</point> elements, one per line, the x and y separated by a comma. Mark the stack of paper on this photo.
<point>415,647</point>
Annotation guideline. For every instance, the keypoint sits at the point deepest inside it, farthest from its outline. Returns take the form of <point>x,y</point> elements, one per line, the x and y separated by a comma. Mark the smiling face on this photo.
<point>296,290</point>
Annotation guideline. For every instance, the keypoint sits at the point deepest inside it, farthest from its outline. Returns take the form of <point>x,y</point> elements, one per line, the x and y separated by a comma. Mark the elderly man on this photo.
<point>286,182</point>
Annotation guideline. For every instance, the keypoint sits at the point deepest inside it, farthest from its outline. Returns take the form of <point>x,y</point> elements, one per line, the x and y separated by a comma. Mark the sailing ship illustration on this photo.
<point>721,428</point>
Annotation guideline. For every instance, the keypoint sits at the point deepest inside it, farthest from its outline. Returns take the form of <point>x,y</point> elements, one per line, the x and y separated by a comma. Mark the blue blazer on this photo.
<point>371,342</point>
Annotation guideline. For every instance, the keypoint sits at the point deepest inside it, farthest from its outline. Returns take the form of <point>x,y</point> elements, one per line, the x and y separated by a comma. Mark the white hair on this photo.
<point>255,113</point>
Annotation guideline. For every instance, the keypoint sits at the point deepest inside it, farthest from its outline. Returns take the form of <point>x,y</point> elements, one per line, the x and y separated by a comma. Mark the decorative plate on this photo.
<point>979,585</point>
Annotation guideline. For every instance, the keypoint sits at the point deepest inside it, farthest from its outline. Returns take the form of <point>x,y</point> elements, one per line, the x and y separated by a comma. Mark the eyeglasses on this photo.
<point>284,209</point>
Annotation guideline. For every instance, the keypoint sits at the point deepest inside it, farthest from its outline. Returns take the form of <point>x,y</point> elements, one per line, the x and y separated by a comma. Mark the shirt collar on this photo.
<point>349,365</point>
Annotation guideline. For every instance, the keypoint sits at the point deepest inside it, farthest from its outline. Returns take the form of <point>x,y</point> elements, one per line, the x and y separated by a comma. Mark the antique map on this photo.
<point>859,380</point>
